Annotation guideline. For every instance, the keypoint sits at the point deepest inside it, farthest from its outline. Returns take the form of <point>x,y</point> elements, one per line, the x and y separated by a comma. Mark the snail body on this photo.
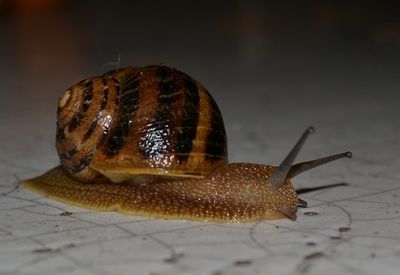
<point>151,141</point>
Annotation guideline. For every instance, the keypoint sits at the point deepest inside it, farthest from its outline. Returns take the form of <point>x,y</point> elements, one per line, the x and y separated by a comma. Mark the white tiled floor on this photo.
<point>270,84</point>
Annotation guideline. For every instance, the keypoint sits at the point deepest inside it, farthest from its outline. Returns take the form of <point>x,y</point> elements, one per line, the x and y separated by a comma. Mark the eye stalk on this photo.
<point>287,170</point>
<point>307,165</point>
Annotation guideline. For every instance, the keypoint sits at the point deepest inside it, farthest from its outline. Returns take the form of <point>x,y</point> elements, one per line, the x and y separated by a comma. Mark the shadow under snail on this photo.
<point>151,141</point>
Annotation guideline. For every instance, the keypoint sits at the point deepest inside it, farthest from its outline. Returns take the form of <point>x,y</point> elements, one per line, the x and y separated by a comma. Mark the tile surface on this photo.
<point>271,81</point>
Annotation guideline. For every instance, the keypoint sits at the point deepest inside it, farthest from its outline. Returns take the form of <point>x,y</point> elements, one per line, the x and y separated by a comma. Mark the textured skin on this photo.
<point>153,120</point>
<point>231,193</point>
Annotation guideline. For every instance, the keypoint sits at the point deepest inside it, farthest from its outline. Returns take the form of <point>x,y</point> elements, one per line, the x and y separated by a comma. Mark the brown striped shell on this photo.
<point>139,120</point>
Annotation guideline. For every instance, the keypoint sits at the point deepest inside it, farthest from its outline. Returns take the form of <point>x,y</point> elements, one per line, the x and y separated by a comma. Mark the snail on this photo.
<point>151,141</point>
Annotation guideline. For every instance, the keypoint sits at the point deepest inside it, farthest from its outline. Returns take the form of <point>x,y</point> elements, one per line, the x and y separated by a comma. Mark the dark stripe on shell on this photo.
<point>60,132</point>
<point>82,164</point>
<point>62,157</point>
<point>90,130</point>
<point>216,140</point>
<point>87,95</point>
<point>103,137</point>
<point>127,104</point>
<point>104,100</point>
<point>75,122</point>
<point>166,84</point>
<point>157,140</point>
<point>117,86</point>
<point>86,100</point>
<point>69,154</point>
<point>72,152</point>
<point>190,119</point>
<point>103,105</point>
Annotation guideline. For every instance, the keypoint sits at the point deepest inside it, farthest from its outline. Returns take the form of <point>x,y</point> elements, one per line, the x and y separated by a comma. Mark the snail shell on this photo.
<point>142,120</point>
<point>151,141</point>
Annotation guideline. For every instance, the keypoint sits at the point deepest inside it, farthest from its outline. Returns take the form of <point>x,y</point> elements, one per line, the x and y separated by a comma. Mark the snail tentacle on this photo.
<point>307,165</point>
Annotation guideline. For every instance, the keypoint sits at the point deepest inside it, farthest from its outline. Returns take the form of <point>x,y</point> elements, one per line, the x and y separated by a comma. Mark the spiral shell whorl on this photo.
<point>149,120</point>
